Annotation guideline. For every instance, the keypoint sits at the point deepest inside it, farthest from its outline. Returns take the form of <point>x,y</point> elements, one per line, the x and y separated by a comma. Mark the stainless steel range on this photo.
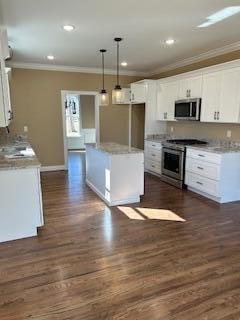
<point>173,160</point>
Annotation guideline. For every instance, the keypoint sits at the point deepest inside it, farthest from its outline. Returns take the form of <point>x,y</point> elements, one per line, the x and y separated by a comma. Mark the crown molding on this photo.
<point>49,67</point>
<point>203,56</point>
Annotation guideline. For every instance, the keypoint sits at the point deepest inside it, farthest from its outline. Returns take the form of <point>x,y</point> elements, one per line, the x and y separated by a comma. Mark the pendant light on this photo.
<point>103,95</point>
<point>117,92</point>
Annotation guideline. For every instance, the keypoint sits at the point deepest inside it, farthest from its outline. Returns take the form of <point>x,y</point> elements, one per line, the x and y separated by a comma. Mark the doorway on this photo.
<point>80,113</point>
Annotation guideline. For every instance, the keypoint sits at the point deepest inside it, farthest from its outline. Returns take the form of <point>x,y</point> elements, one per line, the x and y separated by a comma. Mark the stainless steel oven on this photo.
<point>173,166</point>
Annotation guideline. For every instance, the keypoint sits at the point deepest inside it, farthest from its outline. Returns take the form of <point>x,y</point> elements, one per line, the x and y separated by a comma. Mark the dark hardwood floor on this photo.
<point>94,262</point>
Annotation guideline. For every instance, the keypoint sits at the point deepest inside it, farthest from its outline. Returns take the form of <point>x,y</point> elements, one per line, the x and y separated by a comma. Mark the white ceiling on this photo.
<point>35,31</point>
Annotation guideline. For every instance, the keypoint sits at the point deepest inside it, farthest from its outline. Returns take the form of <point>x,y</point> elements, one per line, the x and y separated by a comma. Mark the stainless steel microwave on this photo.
<point>188,109</point>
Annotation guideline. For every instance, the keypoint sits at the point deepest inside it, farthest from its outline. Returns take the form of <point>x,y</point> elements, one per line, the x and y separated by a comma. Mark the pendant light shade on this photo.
<point>103,95</point>
<point>117,94</point>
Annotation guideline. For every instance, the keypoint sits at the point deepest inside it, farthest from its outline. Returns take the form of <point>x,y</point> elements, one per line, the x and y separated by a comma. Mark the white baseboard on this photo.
<point>53,168</point>
<point>134,199</point>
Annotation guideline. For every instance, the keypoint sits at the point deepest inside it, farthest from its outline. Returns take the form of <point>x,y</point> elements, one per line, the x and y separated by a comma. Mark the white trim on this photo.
<point>97,119</point>
<point>203,56</point>
<point>52,168</point>
<point>49,67</point>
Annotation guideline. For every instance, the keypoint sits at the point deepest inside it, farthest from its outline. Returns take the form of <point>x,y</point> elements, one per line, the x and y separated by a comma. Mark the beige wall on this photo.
<point>87,104</point>
<point>203,130</point>
<point>36,100</point>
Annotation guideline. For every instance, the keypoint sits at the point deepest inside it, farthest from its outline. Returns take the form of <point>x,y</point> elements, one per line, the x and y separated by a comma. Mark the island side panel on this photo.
<point>127,178</point>
<point>97,172</point>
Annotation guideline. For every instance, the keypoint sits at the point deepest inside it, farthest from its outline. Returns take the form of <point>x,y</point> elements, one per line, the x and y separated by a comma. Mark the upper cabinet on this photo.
<point>210,96</point>
<point>167,94</point>
<point>221,96</point>
<point>139,92</point>
<point>5,102</point>
<point>190,87</point>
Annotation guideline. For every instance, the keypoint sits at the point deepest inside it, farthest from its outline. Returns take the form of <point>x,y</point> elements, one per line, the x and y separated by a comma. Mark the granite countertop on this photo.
<point>114,148</point>
<point>17,155</point>
<point>219,149</point>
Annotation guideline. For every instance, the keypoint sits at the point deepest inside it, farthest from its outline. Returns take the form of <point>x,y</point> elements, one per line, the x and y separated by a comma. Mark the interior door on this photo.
<point>229,106</point>
<point>210,96</point>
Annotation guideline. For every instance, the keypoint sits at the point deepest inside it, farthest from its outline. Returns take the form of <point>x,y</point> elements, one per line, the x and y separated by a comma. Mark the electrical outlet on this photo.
<point>25,129</point>
<point>229,133</point>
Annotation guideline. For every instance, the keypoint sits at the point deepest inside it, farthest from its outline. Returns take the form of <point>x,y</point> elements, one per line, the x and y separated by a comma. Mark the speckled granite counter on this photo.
<point>17,156</point>
<point>114,148</point>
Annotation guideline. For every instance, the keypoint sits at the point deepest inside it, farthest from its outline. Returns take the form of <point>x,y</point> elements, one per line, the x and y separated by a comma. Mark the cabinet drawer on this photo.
<point>202,184</point>
<point>153,154</point>
<point>204,155</point>
<point>155,145</point>
<point>153,166</point>
<point>205,169</point>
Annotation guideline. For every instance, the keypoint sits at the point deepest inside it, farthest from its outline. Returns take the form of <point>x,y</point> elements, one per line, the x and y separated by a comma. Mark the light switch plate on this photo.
<point>25,129</point>
<point>172,129</point>
<point>229,133</point>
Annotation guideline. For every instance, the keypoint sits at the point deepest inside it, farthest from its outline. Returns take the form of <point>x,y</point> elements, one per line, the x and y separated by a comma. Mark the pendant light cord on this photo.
<point>118,63</point>
<point>103,70</point>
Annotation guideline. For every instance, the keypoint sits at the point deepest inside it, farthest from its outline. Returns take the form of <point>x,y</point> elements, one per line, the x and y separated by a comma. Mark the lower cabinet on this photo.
<point>21,203</point>
<point>153,157</point>
<point>214,175</point>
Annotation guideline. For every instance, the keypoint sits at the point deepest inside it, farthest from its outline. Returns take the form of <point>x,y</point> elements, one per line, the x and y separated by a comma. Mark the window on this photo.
<point>72,109</point>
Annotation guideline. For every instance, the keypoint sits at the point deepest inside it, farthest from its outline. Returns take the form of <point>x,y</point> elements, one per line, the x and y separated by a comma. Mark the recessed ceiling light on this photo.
<point>170,41</point>
<point>220,15</point>
<point>50,57</point>
<point>68,28</point>
<point>124,64</point>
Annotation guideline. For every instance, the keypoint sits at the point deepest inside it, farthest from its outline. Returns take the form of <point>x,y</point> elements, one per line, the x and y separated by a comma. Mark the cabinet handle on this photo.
<point>152,166</point>
<point>218,115</point>
<point>189,93</point>
<point>153,155</point>
<point>215,114</point>
<point>200,168</point>
<point>201,155</point>
<point>11,115</point>
<point>153,145</point>
<point>199,183</point>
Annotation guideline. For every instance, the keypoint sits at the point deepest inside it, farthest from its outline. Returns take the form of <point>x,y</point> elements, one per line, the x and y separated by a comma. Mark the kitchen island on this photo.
<point>115,172</point>
<point>20,192</point>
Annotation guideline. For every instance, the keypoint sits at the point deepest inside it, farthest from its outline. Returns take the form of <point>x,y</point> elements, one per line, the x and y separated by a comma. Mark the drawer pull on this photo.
<point>200,168</point>
<point>201,155</point>
<point>153,145</point>
<point>153,166</point>
<point>199,183</point>
<point>153,155</point>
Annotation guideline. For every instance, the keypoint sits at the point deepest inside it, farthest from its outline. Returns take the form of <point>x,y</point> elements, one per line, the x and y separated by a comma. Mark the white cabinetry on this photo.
<point>21,203</point>
<point>153,157</point>
<point>221,96</point>
<point>139,92</point>
<point>167,94</point>
<point>190,87</point>
<point>216,176</point>
<point>5,103</point>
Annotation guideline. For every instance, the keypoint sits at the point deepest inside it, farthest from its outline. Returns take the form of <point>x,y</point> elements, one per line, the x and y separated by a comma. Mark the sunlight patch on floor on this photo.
<point>131,213</point>
<point>148,213</point>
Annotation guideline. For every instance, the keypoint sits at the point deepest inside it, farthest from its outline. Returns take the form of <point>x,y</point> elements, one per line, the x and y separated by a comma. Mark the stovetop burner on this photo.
<point>186,142</point>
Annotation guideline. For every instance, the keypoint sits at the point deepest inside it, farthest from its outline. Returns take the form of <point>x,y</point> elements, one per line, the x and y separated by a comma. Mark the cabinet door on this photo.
<point>138,92</point>
<point>5,103</point>
<point>210,96</point>
<point>190,87</point>
<point>167,94</point>
<point>229,105</point>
